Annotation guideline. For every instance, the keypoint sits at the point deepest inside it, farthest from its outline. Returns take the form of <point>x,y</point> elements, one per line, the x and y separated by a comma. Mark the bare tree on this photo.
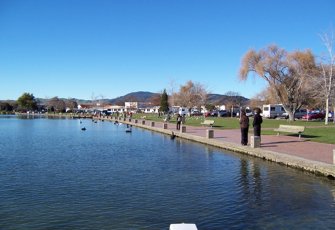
<point>171,91</point>
<point>56,105</point>
<point>191,95</point>
<point>93,99</point>
<point>234,99</point>
<point>199,95</point>
<point>101,101</point>
<point>71,103</point>
<point>267,96</point>
<point>326,77</point>
<point>285,72</point>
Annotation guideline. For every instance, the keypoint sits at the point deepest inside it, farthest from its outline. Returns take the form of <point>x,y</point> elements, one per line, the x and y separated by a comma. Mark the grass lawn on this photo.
<point>314,130</point>
<point>322,135</point>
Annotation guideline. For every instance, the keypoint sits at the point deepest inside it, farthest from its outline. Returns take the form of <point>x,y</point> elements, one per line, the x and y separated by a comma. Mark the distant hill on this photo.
<point>216,99</point>
<point>139,96</point>
<point>143,96</point>
<point>219,99</point>
<point>44,101</point>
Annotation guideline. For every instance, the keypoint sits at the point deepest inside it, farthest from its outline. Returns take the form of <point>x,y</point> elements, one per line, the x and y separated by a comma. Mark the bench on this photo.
<point>290,129</point>
<point>208,123</point>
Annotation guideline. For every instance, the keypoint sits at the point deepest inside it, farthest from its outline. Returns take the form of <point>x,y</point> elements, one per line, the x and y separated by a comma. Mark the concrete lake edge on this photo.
<point>315,167</point>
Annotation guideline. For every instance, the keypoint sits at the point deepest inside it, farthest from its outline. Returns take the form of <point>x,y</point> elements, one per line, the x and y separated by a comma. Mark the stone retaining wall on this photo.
<point>319,168</point>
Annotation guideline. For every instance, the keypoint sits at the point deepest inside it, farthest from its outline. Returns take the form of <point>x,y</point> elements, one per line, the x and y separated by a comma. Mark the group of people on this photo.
<point>244,125</point>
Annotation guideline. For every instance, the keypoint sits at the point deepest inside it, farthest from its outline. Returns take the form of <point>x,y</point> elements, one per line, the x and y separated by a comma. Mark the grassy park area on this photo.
<point>314,130</point>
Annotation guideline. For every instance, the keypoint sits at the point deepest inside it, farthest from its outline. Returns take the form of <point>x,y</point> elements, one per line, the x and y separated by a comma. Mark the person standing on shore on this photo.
<point>178,121</point>
<point>244,124</point>
<point>257,122</point>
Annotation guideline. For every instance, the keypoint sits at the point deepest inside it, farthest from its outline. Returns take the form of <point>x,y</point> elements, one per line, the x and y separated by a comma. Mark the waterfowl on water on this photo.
<point>128,130</point>
<point>83,128</point>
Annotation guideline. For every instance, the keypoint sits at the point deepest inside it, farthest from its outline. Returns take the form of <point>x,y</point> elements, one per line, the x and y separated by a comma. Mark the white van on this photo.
<point>183,111</point>
<point>273,110</point>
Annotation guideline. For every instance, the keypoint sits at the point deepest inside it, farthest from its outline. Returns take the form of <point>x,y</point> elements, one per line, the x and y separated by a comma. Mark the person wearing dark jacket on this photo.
<point>179,118</point>
<point>244,124</point>
<point>257,123</point>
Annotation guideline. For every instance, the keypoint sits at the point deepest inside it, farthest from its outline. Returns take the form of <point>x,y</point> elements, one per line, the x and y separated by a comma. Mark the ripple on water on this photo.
<point>58,177</point>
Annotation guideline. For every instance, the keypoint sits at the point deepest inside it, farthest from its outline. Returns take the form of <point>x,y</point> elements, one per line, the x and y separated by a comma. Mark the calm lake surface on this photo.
<point>55,176</point>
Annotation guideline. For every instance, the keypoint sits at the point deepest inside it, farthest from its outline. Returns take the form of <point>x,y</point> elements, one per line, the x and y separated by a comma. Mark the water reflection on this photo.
<point>251,180</point>
<point>209,151</point>
<point>106,179</point>
<point>30,116</point>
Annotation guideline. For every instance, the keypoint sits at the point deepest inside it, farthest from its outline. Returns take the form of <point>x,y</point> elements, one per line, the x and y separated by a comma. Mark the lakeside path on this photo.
<point>289,150</point>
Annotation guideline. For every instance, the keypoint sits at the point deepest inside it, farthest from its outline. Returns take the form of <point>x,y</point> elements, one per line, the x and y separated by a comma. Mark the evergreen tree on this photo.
<point>164,105</point>
<point>27,101</point>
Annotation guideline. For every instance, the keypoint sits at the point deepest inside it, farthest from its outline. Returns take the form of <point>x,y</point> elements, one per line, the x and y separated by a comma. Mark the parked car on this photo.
<point>214,113</point>
<point>298,114</point>
<point>223,113</point>
<point>207,114</point>
<point>313,116</point>
<point>248,112</point>
<point>196,113</point>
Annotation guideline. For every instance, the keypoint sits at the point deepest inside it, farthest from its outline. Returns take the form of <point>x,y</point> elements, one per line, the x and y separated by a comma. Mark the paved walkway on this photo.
<point>290,145</point>
<point>315,154</point>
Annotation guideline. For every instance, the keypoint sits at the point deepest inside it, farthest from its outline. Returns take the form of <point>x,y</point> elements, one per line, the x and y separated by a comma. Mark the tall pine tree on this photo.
<point>164,106</point>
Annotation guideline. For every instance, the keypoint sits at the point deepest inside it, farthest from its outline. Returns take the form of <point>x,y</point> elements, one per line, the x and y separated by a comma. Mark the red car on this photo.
<point>313,116</point>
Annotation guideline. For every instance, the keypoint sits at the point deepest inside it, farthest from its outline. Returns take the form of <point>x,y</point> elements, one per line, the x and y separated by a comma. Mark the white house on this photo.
<point>151,109</point>
<point>85,107</point>
<point>131,106</point>
<point>115,108</point>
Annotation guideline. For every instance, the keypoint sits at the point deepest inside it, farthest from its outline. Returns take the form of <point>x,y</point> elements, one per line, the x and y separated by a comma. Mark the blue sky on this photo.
<point>78,48</point>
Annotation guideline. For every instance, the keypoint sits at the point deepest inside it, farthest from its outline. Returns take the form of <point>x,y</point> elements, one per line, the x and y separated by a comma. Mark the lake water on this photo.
<point>53,175</point>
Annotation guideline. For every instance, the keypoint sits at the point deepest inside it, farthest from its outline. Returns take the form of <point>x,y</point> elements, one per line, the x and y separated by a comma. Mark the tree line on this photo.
<point>28,102</point>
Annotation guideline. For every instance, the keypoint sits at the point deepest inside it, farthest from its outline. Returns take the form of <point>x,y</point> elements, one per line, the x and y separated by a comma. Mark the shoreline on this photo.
<point>315,167</point>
